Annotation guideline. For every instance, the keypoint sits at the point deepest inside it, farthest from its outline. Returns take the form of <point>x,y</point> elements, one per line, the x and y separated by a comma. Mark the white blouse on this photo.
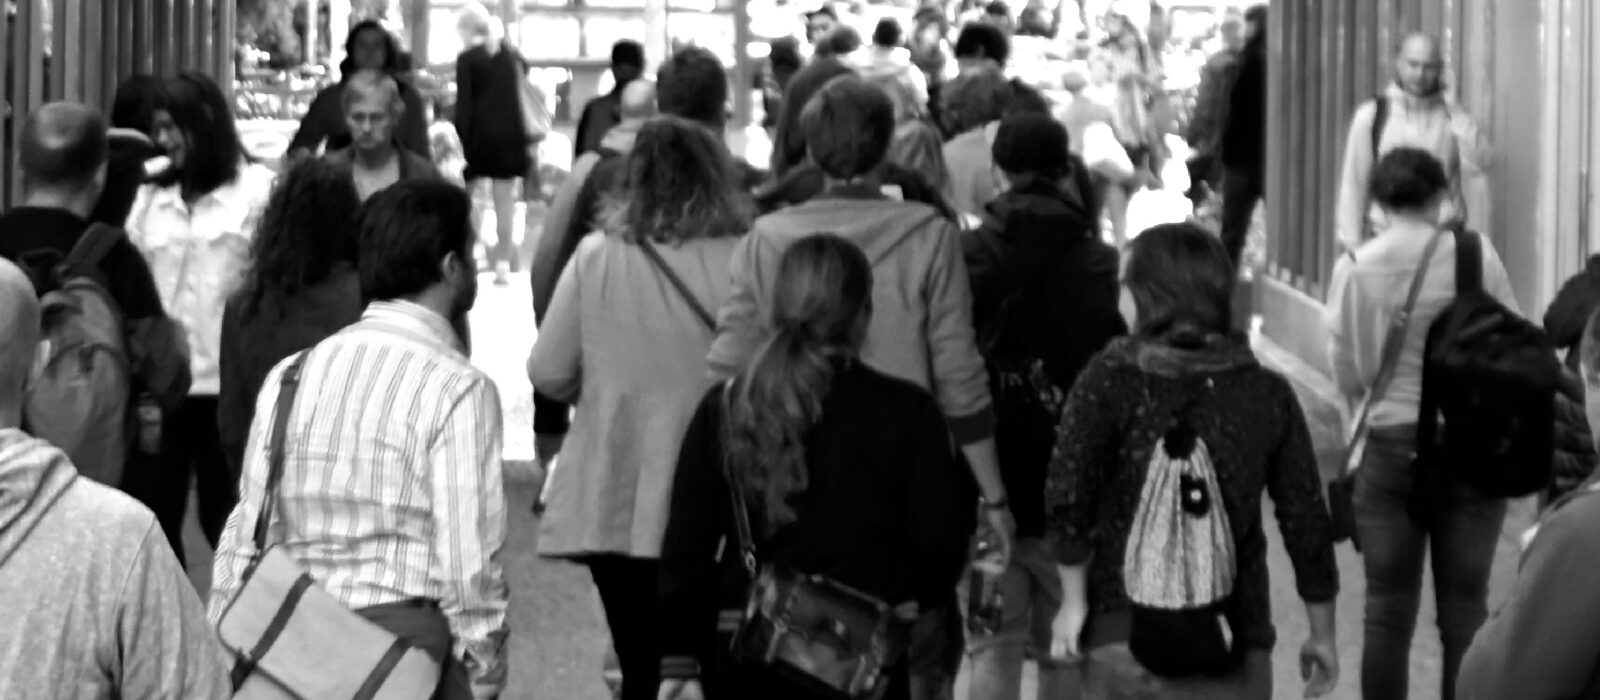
<point>198,255</point>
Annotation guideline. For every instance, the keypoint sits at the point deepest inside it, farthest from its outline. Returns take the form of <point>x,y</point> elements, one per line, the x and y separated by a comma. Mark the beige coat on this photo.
<point>624,345</point>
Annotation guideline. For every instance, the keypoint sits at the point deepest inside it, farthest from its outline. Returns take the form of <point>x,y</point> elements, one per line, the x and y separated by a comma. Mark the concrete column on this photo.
<point>511,12</point>
<point>419,16</point>
<point>338,29</point>
<point>312,14</point>
<point>656,38</point>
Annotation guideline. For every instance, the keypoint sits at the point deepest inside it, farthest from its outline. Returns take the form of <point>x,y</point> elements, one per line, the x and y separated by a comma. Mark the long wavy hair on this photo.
<point>679,183</point>
<point>307,229</point>
<point>821,303</point>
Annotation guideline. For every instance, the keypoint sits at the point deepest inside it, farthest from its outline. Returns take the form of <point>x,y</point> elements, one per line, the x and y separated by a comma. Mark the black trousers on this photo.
<point>628,592</point>
<point>190,446</point>
<point>1241,190</point>
<point>550,417</point>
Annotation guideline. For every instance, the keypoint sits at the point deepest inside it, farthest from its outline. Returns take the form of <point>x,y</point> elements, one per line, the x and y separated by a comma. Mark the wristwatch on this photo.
<point>997,504</point>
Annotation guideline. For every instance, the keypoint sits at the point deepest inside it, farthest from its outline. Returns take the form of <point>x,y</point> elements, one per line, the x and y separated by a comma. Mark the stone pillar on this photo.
<point>419,15</point>
<point>338,29</point>
<point>313,14</point>
<point>656,38</point>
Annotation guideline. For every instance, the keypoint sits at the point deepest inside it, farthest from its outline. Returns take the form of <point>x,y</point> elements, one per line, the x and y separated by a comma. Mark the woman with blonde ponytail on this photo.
<point>848,473</point>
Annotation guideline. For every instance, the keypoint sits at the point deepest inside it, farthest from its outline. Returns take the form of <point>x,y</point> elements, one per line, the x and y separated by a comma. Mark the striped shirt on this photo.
<point>391,484</point>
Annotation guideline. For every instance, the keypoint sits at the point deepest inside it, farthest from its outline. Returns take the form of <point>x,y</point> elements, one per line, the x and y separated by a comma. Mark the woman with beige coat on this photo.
<point>625,339</point>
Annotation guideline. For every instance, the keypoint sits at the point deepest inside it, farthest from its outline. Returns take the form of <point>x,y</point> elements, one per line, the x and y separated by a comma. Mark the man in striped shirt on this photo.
<point>391,497</point>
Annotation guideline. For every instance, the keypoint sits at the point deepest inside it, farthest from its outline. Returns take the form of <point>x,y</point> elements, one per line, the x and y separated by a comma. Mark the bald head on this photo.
<point>1419,65</point>
<point>63,149</point>
<point>638,100</point>
<point>19,317</point>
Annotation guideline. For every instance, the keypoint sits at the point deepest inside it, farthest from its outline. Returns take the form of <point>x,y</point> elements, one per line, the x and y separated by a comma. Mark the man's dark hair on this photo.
<point>978,40</point>
<point>842,41</point>
<point>848,126</point>
<point>692,84</point>
<point>134,106</point>
<point>1406,178</point>
<point>888,33</point>
<point>214,151</point>
<point>1181,279</point>
<point>1029,143</point>
<point>1023,97</point>
<point>786,53</point>
<point>406,230</point>
<point>627,53</point>
<point>998,8</point>
<point>63,145</point>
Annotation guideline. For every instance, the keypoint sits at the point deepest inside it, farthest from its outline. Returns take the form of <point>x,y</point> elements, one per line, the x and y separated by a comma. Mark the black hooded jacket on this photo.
<point>1039,248</point>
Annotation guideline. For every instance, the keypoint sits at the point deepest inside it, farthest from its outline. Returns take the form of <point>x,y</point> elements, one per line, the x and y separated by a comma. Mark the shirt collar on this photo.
<point>414,319</point>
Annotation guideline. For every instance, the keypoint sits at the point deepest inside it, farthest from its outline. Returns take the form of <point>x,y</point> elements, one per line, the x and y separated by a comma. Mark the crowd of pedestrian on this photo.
<point>785,414</point>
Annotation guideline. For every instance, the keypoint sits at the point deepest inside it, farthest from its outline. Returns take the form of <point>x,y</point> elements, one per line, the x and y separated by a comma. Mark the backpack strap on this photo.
<point>1469,260</point>
<point>93,247</point>
<point>1380,119</point>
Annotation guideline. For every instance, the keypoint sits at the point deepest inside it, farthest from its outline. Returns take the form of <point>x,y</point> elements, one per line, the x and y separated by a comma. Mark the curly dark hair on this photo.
<point>308,227</point>
<point>679,183</point>
<point>1407,178</point>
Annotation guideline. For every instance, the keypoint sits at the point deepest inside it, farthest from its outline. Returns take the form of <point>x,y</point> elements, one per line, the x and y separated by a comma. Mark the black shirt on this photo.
<point>127,275</point>
<point>888,508</point>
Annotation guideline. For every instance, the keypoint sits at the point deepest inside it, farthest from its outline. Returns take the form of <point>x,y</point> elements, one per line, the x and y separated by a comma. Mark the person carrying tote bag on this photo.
<point>290,638</point>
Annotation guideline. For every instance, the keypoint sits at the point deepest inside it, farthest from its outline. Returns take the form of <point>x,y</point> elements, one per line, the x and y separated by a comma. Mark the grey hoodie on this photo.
<point>95,604</point>
<point>921,329</point>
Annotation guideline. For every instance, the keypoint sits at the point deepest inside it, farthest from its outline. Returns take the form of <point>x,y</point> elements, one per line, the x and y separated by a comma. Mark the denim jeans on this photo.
<point>1460,530</point>
<point>1031,595</point>
<point>1111,673</point>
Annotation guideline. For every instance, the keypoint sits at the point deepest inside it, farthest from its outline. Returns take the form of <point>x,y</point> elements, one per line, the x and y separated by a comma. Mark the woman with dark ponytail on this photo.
<point>847,473</point>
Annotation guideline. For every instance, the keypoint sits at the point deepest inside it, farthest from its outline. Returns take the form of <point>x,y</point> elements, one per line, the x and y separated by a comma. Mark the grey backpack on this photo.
<point>81,402</point>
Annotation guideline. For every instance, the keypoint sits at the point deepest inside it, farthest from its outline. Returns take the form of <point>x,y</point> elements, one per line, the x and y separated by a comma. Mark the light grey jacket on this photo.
<point>95,604</point>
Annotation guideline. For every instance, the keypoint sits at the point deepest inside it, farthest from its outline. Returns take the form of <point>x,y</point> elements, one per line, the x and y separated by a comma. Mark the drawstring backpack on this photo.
<point>1180,565</point>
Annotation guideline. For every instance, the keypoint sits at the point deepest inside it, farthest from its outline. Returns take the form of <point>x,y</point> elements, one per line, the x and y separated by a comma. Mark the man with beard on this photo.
<point>391,495</point>
<point>1416,112</point>
<point>375,159</point>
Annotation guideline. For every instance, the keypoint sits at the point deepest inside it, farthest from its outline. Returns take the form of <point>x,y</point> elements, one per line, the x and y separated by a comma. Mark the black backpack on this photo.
<point>1489,381</point>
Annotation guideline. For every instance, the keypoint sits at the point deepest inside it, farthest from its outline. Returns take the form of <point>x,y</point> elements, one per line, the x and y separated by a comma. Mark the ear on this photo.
<point>41,359</point>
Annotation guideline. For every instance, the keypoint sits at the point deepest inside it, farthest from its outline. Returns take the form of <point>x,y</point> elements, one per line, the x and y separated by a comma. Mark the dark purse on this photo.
<point>817,632</point>
<point>1341,491</point>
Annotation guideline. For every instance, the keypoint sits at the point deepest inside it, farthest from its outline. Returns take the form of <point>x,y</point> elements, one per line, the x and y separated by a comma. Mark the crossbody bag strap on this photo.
<point>1394,339</point>
<point>289,386</point>
<point>741,510</point>
<point>677,283</point>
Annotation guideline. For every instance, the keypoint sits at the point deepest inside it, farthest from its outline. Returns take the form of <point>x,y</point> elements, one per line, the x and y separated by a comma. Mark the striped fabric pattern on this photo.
<point>392,486</point>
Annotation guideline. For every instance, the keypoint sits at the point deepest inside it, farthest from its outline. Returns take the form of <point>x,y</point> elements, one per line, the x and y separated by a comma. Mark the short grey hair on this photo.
<point>372,83</point>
